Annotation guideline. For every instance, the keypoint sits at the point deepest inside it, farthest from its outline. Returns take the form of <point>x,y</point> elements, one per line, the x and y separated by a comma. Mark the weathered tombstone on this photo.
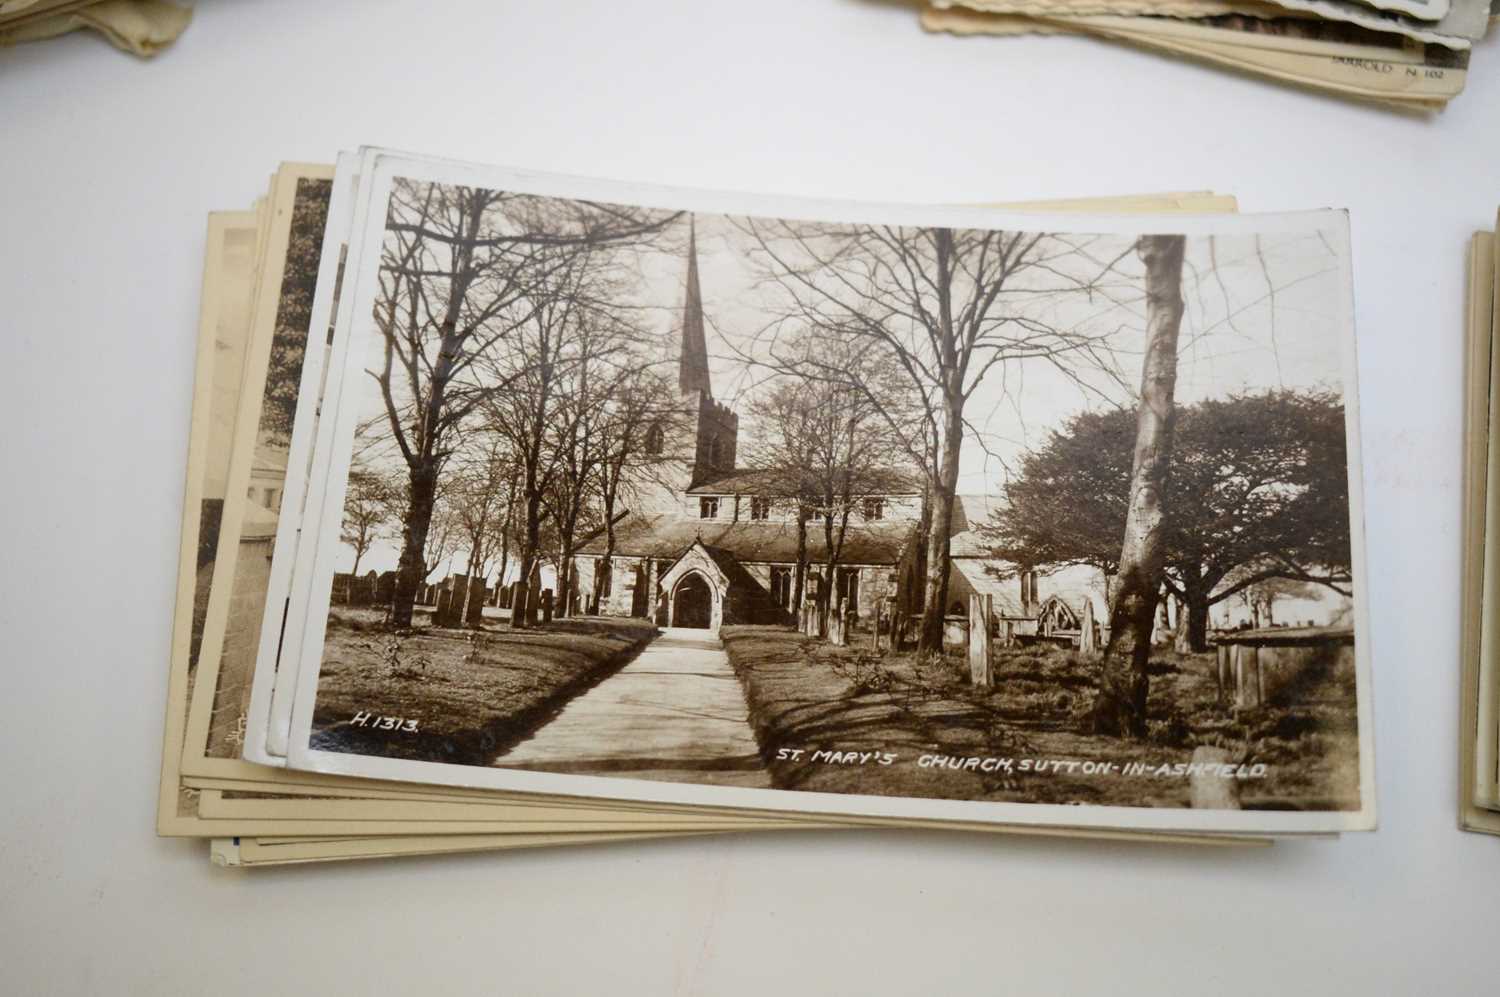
<point>980,609</point>
<point>1247,680</point>
<point>1161,631</point>
<point>1088,637</point>
<point>955,633</point>
<point>546,605</point>
<point>520,592</point>
<point>1208,790</point>
<point>1008,633</point>
<point>474,610</point>
<point>444,611</point>
<point>1223,674</point>
<point>875,629</point>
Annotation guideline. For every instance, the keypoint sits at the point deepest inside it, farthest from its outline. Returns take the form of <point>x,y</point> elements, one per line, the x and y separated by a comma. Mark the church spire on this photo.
<point>692,372</point>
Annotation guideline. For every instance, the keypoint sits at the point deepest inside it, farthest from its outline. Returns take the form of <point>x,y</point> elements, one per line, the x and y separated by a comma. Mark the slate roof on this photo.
<point>752,481</point>
<point>996,578</point>
<point>970,512</point>
<point>667,536</point>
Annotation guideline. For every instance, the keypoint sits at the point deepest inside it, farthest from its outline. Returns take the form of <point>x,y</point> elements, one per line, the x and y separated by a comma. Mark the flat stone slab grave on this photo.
<point>675,713</point>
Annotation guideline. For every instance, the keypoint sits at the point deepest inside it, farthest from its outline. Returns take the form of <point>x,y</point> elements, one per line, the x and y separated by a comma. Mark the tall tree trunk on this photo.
<point>830,574</point>
<point>422,459</point>
<point>1197,623</point>
<point>799,580</point>
<point>935,603</point>
<point>1120,706</point>
<point>566,583</point>
<point>521,614</point>
<point>504,561</point>
<point>411,567</point>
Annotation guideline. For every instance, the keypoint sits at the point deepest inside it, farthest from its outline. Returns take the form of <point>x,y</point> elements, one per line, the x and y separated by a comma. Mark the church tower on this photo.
<point>700,441</point>
<point>717,429</point>
<point>692,367</point>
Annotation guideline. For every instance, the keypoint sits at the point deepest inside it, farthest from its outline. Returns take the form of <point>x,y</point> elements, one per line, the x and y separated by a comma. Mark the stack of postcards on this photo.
<point>528,510</point>
<point>1402,53</point>
<point>1479,731</point>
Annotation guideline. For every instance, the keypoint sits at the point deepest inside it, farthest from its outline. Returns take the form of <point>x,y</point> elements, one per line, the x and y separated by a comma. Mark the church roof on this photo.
<point>667,536</point>
<point>996,579</point>
<point>770,482</point>
<point>970,512</point>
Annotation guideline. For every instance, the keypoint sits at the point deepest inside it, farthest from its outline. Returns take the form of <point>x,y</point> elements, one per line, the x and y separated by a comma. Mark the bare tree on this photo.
<point>825,448</point>
<point>1120,704</point>
<point>367,510</point>
<point>784,451</point>
<point>551,366</point>
<point>937,303</point>
<point>480,489</point>
<point>635,410</point>
<point>462,268</point>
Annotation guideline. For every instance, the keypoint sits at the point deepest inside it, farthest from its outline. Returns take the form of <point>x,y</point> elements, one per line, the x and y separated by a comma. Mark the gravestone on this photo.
<point>474,611</point>
<point>520,592</point>
<point>1088,635</point>
<point>546,605</point>
<point>1209,791</point>
<point>981,607</point>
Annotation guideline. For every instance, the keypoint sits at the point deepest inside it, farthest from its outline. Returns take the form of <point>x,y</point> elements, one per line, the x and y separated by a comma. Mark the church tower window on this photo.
<point>655,440</point>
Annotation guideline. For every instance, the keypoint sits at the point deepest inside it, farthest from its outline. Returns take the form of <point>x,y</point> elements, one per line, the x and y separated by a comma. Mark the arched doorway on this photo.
<point>693,602</point>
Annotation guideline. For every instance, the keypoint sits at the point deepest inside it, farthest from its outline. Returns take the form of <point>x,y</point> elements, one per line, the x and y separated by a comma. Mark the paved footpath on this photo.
<point>676,712</point>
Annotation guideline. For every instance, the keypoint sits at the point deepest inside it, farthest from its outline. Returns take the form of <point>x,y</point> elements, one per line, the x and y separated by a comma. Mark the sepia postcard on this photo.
<point>1486,788</point>
<point>936,513</point>
<point>316,287</point>
<point>1475,788</point>
<point>228,275</point>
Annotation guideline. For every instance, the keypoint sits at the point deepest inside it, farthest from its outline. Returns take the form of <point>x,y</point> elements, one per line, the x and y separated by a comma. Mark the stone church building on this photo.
<point>706,542</point>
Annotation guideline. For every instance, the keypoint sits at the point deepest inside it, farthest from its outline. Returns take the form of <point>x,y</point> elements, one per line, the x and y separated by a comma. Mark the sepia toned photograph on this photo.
<point>273,383</point>
<point>882,510</point>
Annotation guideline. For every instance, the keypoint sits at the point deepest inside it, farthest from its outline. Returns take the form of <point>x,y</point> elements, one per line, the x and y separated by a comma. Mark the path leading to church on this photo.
<point>676,713</point>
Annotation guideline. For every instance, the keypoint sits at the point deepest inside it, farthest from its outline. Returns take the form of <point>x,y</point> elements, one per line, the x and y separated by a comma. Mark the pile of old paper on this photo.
<point>529,510</point>
<point>1479,732</point>
<point>141,27</point>
<point>1401,53</point>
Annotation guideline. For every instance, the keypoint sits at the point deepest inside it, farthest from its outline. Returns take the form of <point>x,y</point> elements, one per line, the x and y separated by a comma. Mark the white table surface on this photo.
<point>108,167</point>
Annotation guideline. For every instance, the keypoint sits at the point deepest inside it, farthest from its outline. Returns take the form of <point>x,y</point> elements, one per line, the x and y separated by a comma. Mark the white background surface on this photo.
<point>108,169</point>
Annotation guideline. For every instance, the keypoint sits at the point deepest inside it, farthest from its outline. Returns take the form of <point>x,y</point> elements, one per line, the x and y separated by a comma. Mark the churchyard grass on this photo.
<point>457,695</point>
<point>806,694</point>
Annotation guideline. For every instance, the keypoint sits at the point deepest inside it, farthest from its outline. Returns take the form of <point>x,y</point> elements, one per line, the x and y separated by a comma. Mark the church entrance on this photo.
<point>693,603</point>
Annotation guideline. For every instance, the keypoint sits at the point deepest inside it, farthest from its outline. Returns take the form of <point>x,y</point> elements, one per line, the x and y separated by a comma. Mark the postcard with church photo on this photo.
<point>828,507</point>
